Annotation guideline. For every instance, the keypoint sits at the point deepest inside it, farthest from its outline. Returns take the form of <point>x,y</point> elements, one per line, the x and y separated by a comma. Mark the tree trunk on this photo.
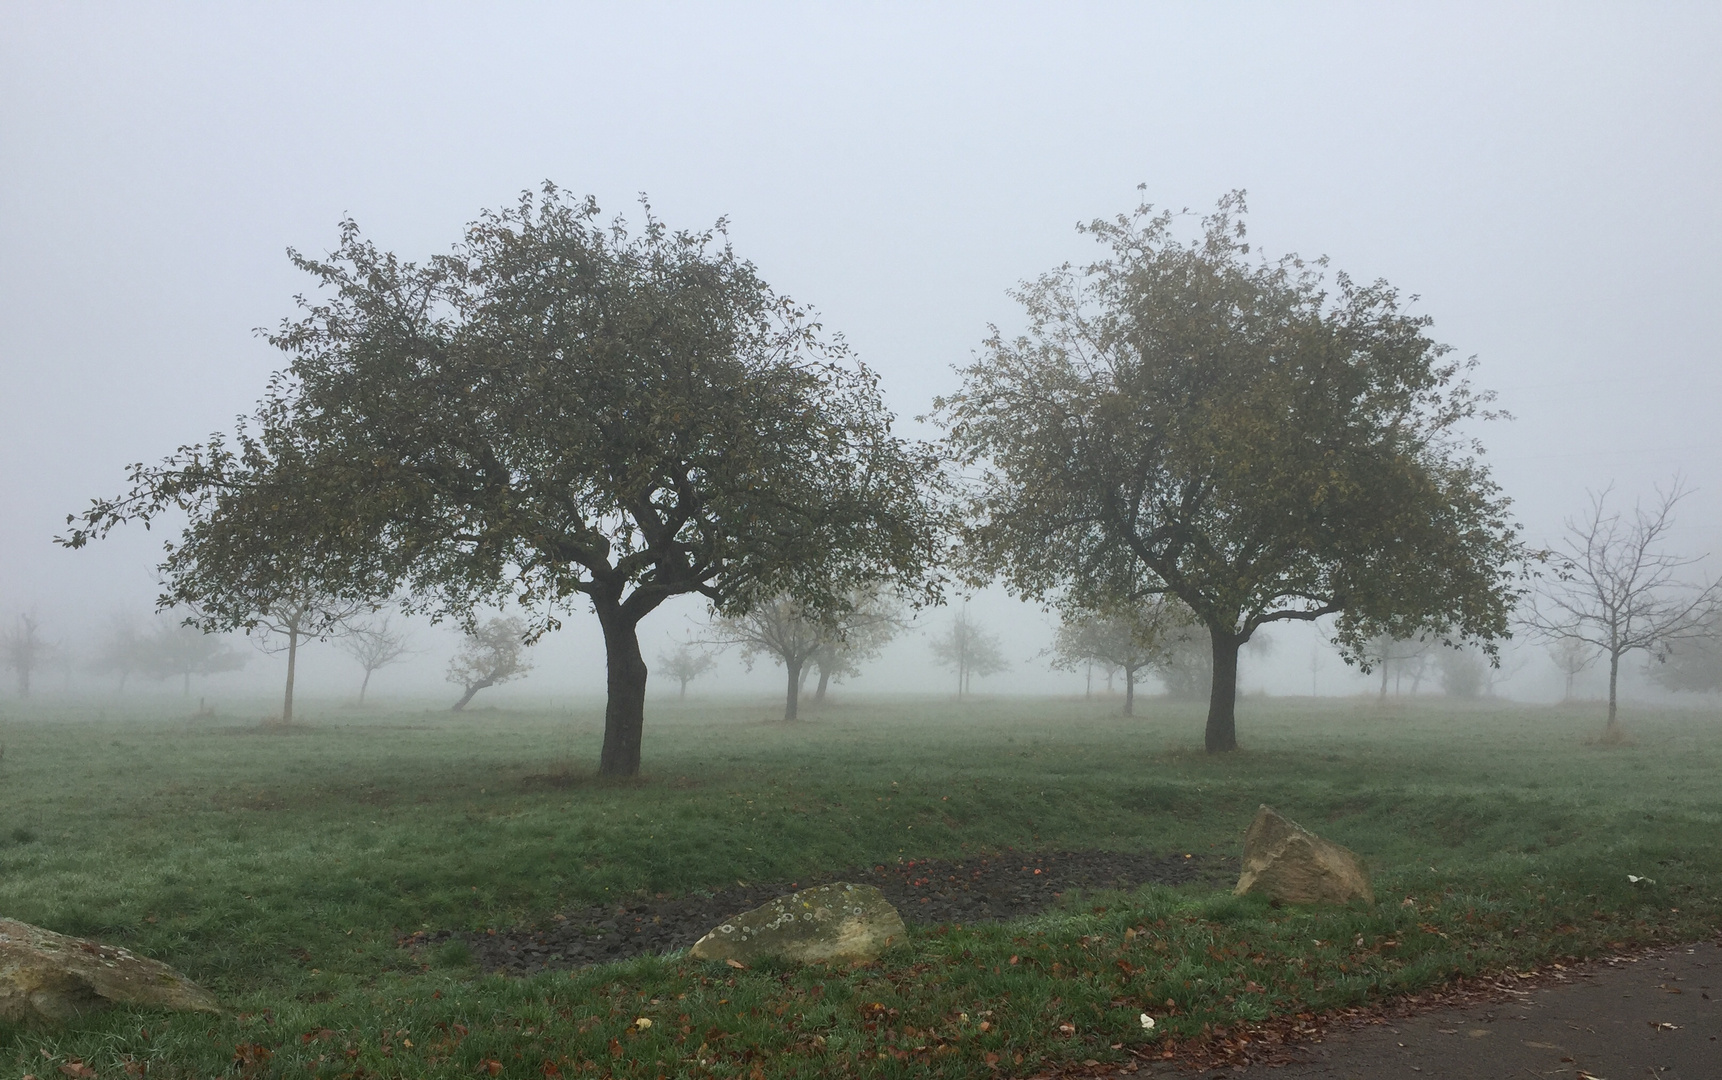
<point>185,689</point>
<point>1384,678</point>
<point>292,665</point>
<point>1222,732</point>
<point>1611,732</point>
<point>791,704</point>
<point>1088,687</point>
<point>824,681</point>
<point>364,685</point>
<point>625,705</point>
<point>1129,691</point>
<point>460,706</point>
<point>682,694</point>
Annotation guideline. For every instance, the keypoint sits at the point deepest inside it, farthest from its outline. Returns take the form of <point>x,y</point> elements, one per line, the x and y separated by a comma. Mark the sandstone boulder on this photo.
<point>48,977</point>
<point>1286,862</point>
<point>831,922</point>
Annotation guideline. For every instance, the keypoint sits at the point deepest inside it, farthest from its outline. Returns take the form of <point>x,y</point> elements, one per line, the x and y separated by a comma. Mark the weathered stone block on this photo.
<point>48,977</point>
<point>829,922</point>
<point>1286,862</point>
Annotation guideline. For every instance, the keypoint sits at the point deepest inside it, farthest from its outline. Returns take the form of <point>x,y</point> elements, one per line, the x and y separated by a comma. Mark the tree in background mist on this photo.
<point>872,621</point>
<point>173,650</point>
<point>24,650</point>
<point>490,654</point>
<point>781,629</point>
<point>686,663</point>
<point>1187,419</point>
<point>802,639</point>
<point>1463,673</point>
<point>968,650</point>
<point>1127,639</point>
<point>1573,656</point>
<point>375,645</point>
<point>1184,663</point>
<point>1694,664</point>
<point>1617,590</point>
<point>261,551</point>
<point>1398,659</point>
<point>120,649</point>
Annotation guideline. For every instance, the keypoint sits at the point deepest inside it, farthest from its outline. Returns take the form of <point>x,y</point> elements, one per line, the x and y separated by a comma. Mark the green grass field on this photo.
<point>279,869</point>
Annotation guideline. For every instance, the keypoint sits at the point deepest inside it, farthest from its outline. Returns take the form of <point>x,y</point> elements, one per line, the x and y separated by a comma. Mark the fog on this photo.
<point>1544,177</point>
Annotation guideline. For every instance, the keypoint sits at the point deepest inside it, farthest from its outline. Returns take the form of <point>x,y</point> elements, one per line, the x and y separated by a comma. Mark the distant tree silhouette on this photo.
<point>1617,590</point>
<point>685,664</point>
<point>23,649</point>
<point>375,645</point>
<point>490,654</point>
<point>968,650</point>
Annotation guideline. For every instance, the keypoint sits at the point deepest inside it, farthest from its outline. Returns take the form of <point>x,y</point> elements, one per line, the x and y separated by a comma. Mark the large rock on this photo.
<point>49,977</point>
<point>830,922</point>
<point>1286,862</point>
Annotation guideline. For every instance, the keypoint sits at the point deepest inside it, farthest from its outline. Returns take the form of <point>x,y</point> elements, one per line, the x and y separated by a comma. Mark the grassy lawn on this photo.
<point>279,869</point>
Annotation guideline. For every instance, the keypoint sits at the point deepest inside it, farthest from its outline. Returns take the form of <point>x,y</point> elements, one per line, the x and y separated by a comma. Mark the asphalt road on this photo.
<point>1656,1014</point>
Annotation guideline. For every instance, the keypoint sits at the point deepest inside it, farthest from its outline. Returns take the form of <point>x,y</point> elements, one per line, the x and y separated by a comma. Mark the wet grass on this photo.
<point>280,869</point>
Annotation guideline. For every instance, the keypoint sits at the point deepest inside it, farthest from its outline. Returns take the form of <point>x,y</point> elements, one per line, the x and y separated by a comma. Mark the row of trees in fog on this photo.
<point>490,654</point>
<point>563,412</point>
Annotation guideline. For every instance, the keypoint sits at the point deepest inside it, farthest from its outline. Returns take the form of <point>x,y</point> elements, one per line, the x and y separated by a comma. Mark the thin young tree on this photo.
<point>968,650</point>
<point>491,653</point>
<point>686,663</point>
<point>1618,590</point>
<point>24,650</point>
<point>291,619</point>
<point>1186,418</point>
<point>375,645</point>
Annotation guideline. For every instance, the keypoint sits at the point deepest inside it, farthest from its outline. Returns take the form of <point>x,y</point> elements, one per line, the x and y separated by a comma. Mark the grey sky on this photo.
<point>1547,177</point>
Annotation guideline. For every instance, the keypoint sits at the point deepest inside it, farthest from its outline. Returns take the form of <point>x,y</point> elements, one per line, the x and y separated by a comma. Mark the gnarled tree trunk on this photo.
<point>792,703</point>
<point>625,706</point>
<point>1222,732</point>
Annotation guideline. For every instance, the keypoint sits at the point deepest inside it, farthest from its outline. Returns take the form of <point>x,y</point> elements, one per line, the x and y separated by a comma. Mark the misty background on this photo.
<point>1544,177</point>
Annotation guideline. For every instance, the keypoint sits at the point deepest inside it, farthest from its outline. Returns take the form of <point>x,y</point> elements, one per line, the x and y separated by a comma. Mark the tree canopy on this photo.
<point>1187,418</point>
<point>562,410</point>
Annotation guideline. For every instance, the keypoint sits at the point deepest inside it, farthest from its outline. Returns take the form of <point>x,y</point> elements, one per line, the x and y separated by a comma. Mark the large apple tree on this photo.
<point>1186,418</point>
<point>562,412</point>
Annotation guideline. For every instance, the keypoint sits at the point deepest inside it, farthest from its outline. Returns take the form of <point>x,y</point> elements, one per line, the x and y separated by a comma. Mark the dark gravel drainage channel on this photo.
<point>987,888</point>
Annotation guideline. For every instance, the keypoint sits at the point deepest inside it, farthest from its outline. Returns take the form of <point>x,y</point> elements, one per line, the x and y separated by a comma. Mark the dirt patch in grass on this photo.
<point>984,888</point>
